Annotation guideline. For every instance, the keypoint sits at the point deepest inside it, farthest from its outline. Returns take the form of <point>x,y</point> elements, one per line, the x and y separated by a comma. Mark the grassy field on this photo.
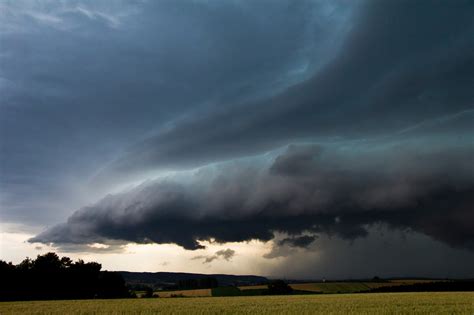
<point>383,303</point>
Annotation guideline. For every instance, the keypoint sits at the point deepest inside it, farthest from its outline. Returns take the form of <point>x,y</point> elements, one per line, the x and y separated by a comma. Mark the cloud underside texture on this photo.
<point>404,65</point>
<point>305,189</point>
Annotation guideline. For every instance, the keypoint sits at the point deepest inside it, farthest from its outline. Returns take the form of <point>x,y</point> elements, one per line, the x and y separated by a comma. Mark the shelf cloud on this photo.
<point>305,188</point>
<point>198,122</point>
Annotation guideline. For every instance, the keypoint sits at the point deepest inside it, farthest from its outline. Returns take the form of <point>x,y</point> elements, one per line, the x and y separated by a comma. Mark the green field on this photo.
<point>328,287</point>
<point>184,293</point>
<point>383,303</point>
<point>346,287</point>
<point>340,287</point>
<point>300,288</point>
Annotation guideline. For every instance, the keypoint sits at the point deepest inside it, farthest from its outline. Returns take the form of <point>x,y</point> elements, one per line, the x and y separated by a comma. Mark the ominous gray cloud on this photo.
<point>383,252</point>
<point>299,241</point>
<point>337,191</point>
<point>225,254</point>
<point>80,81</point>
<point>402,63</point>
<point>232,121</point>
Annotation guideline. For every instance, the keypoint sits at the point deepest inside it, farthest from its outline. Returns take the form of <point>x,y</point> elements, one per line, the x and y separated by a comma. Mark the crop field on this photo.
<point>340,287</point>
<point>184,293</point>
<point>377,303</point>
<point>343,287</point>
<point>314,287</point>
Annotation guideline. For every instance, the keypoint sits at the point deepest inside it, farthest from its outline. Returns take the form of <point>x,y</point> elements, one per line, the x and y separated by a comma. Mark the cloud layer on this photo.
<point>306,188</point>
<point>181,122</point>
<point>225,254</point>
<point>82,81</point>
<point>398,65</point>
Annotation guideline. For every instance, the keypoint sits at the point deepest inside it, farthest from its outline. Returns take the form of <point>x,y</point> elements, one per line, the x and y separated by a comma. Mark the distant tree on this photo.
<point>51,277</point>
<point>148,292</point>
<point>111,285</point>
<point>90,267</point>
<point>204,283</point>
<point>26,264</point>
<point>377,279</point>
<point>6,267</point>
<point>188,284</point>
<point>279,287</point>
<point>66,262</point>
<point>49,262</point>
<point>208,283</point>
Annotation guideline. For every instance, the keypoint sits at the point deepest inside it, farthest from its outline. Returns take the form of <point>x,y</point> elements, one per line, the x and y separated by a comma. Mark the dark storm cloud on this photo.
<point>404,185</point>
<point>225,254</point>
<point>402,63</point>
<point>384,253</point>
<point>299,241</point>
<point>82,80</point>
<point>308,118</point>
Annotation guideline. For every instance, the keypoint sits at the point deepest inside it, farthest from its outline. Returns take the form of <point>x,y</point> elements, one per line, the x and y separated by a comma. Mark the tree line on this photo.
<point>204,283</point>
<point>51,277</point>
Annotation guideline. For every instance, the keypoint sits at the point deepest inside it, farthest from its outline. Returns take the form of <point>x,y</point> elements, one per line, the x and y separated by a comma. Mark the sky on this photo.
<point>290,139</point>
